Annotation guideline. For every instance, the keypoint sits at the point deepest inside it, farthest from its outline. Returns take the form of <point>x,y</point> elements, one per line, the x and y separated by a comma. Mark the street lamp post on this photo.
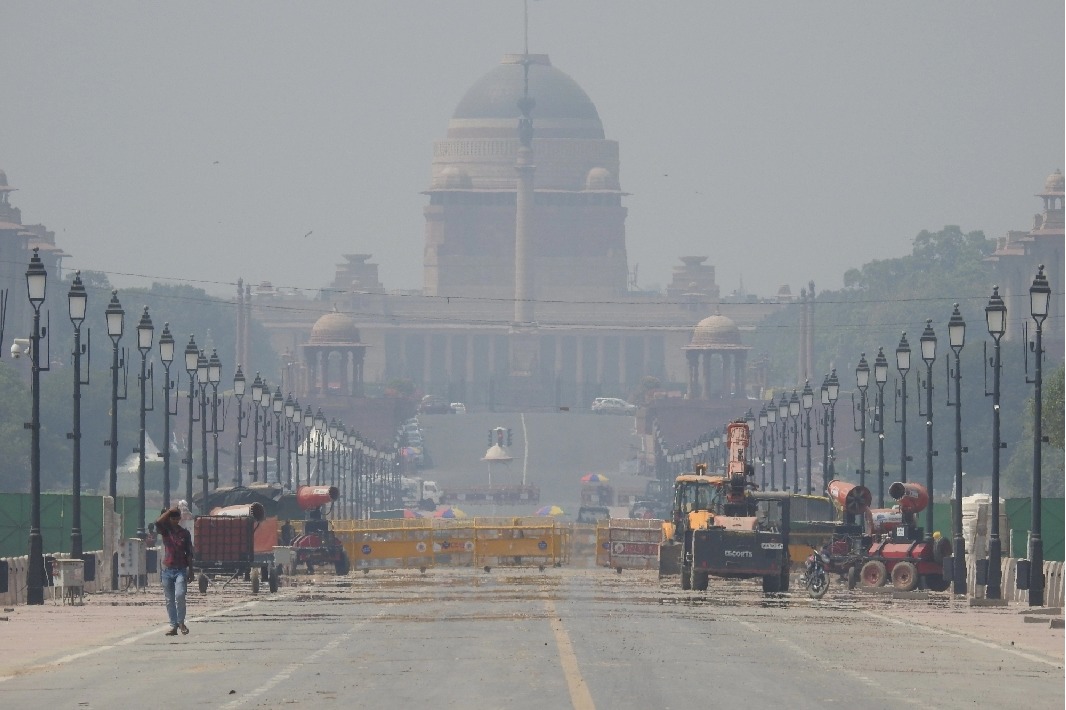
<point>956,340</point>
<point>166,356</point>
<point>763,421</point>
<point>278,406</point>
<point>862,381</point>
<point>782,416</point>
<point>296,416</point>
<point>793,413</point>
<point>823,394</point>
<point>903,364</point>
<point>834,394</point>
<point>290,408</point>
<point>36,285</point>
<point>239,385</point>
<point>880,378</point>
<point>202,382</point>
<point>214,376</point>
<point>331,430</point>
<point>1039,303</point>
<point>257,397</point>
<point>114,315</point>
<point>771,422</point>
<point>749,420</point>
<point>77,301</point>
<point>996,320</point>
<point>320,426</point>
<point>145,332</point>
<point>308,423</point>
<point>928,346</point>
<point>807,402</point>
<point>192,355</point>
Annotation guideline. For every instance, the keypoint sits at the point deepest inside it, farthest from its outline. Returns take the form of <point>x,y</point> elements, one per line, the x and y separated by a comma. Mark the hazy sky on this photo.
<point>786,140</point>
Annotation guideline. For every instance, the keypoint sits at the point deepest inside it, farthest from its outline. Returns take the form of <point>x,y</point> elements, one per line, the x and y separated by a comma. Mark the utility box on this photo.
<point>131,558</point>
<point>69,577</point>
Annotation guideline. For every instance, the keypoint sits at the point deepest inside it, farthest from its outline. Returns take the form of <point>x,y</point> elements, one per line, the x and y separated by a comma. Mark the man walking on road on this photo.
<point>177,567</point>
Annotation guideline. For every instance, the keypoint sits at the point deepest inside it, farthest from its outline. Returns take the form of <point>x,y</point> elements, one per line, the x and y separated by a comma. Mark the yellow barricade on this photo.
<point>633,544</point>
<point>388,544</point>
<point>453,542</point>
<point>516,542</point>
<point>603,547</point>
<point>582,544</point>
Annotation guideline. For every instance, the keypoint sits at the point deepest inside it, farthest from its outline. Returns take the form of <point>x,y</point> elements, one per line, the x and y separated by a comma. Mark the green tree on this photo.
<point>1018,475</point>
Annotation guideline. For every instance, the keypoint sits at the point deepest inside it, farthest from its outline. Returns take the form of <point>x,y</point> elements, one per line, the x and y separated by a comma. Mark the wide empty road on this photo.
<point>526,639</point>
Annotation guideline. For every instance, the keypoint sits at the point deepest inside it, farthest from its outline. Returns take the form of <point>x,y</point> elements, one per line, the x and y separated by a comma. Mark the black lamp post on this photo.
<point>290,408</point>
<point>166,356</point>
<point>331,431</point>
<point>214,376</point>
<point>201,381</point>
<point>807,402</point>
<point>145,332</point>
<point>342,444</point>
<point>257,402</point>
<point>77,301</point>
<point>823,398</point>
<point>192,355</point>
<point>928,345</point>
<point>239,385</point>
<point>996,320</point>
<point>903,364</point>
<point>296,416</point>
<point>771,422</point>
<point>1039,303</point>
<point>320,426</point>
<point>782,416</point>
<point>763,421</point>
<point>36,285</point>
<point>309,423</point>
<point>749,420</point>
<point>862,381</point>
<point>114,315</point>
<point>834,394</point>
<point>956,340</point>
<point>278,406</point>
<point>880,378</point>
<point>793,413</point>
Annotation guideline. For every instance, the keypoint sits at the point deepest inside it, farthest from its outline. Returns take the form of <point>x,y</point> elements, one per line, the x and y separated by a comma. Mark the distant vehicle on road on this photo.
<point>612,405</point>
<point>458,408</point>
<point>434,405</point>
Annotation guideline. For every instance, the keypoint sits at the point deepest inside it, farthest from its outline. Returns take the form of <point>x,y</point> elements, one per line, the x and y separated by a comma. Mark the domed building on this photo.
<point>716,341</point>
<point>334,357</point>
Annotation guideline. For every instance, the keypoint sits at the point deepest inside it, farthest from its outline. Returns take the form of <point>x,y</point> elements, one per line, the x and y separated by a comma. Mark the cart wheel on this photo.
<point>272,581</point>
<point>853,577</point>
<point>255,581</point>
<point>904,576</point>
<point>422,570</point>
<point>201,581</point>
<point>873,574</point>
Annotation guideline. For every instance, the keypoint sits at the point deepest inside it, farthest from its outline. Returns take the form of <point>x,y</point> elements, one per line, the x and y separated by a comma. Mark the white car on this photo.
<point>458,408</point>
<point>612,405</point>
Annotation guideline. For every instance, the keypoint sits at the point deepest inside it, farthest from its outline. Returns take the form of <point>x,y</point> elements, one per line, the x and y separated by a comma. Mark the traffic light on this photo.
<point>508,437</point>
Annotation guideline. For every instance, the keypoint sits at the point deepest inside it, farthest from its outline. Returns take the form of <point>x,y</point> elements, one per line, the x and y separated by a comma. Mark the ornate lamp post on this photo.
<point>880,378</point>
<point>928,345</point>
<point>996,320</point>
<point>1039,303</point>
<point>793,413</point>
<point>771,421</point>
<point>257,401</point>
<point>192,356</point>
<point>956,340</point>
<point>239,385</point>
<point>278,406</point>
<point>36,285</point>
<point>309,423</point>
<point>202,367</point>
<point>166,356</point>
<point>862,381</point>
<point>903,364</point>
<point>807,402</point>
<point>214,376</point>
<point>331,430</point>
<point>145,332</point>
<point>782,415</point>
<point>834,394</point>
<point>77,301</point>
<point>114,317</point>
<point>290,409</point>
<point>749,419</point>
<point>823,398</point>
<point>763,421</point>
<point>296,417</point>
<point>320,426</point>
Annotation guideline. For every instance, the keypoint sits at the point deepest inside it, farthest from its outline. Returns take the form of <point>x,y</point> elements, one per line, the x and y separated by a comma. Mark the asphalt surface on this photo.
<point>520,638</point>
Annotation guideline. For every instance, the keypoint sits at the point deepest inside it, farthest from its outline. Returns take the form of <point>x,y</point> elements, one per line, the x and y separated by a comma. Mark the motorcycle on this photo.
<point>814,578</point>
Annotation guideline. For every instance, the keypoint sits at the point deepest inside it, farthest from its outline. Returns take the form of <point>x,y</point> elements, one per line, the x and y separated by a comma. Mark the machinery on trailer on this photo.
<point>723,526</point>
<point>317,546</point>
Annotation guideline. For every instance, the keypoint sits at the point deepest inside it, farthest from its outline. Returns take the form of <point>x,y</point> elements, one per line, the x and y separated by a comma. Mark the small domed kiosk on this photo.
<point>716,337</point>
<point>334,357</point>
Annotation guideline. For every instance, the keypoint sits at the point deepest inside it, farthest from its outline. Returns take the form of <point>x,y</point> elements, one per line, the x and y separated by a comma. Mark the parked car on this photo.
<point>458,408</point>
<point>434,405</point>
<point>612,405</point>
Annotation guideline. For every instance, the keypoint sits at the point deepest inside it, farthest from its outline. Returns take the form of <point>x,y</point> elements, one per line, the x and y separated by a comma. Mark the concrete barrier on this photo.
<point>1054,582</point>
<point>18,568</point>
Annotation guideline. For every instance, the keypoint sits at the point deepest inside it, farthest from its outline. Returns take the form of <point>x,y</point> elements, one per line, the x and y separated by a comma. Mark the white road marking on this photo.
<point>290,669</point>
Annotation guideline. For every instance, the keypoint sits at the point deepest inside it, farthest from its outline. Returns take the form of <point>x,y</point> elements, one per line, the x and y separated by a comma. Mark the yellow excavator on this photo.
<point>723,526</point>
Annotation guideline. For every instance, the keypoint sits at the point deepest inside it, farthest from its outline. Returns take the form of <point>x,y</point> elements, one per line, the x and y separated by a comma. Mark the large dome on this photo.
<point>1054,183</point>
<point>715,332</point>
<point>334,328</point>
<point>562,109</point>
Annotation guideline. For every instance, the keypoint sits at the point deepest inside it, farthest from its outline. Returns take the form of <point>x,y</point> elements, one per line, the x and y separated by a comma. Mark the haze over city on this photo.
<point>205,142</point>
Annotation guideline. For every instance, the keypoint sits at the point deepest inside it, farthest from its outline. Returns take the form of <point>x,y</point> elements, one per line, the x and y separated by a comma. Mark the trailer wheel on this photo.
<point>618,570</point>
<point>272,580</point>
<point>873,574</point>
<point>904,576</point>
<point>342,565</point>
<point>786,578</point>
<point>255,581</point>
<point>201,581</point>
<point>853,577</point>
<point>686,578</point>
<point>699,580</point>
<point>771,584</point>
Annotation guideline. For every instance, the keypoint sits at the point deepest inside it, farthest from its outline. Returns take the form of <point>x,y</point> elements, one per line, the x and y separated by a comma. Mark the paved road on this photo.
<point>525,639</point>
